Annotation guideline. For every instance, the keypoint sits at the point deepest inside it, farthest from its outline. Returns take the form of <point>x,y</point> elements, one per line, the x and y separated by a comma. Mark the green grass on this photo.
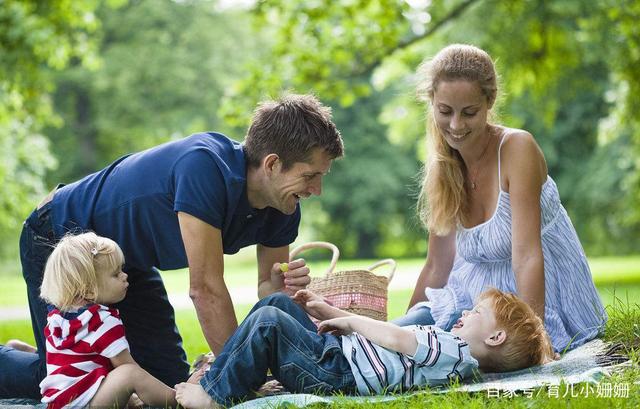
<point>617,280</point>
<point>242,273</point>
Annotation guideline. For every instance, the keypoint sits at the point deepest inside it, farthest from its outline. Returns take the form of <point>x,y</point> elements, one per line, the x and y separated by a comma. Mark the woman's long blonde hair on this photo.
<point>443,199</point>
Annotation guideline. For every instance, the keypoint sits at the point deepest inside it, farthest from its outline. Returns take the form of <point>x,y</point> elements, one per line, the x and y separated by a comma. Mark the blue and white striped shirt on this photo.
<point>440,358</point>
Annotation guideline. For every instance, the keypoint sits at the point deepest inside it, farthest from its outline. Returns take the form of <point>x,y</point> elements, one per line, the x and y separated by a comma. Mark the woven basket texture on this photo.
<point>357,291</point>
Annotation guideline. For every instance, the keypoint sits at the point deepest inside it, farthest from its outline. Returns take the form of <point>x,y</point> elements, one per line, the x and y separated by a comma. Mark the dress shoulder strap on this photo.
<point>499,149</point>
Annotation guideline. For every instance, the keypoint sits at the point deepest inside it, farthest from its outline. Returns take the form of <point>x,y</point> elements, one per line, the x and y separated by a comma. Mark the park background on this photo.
<point>85,82</point>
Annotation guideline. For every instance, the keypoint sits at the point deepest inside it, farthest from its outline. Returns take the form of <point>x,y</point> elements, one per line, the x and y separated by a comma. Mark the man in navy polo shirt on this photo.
<point>185,203</point>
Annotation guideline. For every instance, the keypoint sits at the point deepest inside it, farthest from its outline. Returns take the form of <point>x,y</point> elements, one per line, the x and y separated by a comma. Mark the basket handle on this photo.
<point>319,244</point>
<point>386,261</point>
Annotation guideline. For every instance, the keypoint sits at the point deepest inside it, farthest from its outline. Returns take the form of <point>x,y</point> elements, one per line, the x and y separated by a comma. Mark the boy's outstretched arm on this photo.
<point>385,334</point>
<point>316,306</point>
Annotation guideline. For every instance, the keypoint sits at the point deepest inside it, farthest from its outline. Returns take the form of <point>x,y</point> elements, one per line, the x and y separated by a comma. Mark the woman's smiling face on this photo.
<point>460,111</point>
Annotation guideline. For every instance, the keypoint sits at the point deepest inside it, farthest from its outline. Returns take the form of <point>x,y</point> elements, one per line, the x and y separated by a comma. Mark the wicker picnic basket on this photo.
<point>357,291</point>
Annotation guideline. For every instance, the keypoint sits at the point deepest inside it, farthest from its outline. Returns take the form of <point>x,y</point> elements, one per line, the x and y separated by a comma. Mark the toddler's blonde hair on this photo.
<point>72,270</point>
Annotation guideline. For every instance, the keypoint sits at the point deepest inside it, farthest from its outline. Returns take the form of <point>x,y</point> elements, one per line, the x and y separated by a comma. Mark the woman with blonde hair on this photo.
<point>494,215</point>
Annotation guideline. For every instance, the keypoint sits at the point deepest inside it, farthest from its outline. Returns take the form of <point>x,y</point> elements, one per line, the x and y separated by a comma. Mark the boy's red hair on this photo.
<point>527,343</point>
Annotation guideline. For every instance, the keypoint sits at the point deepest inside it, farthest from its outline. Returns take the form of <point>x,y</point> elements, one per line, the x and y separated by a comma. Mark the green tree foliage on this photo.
<point>35,36</point>
<point>366,193</point>
<point>331,48</point>
<point>569,75</point>
<point>165,67</point>
<point>104,78</point>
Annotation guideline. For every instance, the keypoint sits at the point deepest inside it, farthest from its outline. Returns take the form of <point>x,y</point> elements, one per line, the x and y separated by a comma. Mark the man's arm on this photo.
<point>271,279</point>
<point>207,289</point>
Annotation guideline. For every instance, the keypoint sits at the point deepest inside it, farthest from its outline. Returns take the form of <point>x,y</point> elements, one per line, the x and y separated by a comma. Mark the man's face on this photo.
<point>299,181</point>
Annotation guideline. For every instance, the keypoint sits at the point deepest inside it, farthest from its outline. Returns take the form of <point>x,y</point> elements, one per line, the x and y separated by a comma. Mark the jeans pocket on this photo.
<point>34,252</point>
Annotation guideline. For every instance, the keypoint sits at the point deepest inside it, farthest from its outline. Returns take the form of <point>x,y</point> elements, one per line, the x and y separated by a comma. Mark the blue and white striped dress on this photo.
<point>573,310</point>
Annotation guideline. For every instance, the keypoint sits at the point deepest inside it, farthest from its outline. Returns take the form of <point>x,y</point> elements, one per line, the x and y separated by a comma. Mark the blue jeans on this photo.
<point>422,316</point>
<point>21,372</point>
<point>147,315</point>
<point>278,335</point>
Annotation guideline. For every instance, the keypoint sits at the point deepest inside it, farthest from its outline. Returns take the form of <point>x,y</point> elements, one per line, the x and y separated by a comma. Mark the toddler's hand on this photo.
<point>135,402</point>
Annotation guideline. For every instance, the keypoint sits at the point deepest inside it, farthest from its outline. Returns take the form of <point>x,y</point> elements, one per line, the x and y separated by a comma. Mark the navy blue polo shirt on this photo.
<point>135,201</point>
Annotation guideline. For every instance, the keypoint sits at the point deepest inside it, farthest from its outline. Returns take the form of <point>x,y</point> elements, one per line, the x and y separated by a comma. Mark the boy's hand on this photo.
<point>336,326</point>
<point>304,296</point>
<point>135,402</point>
<point>313,304</point>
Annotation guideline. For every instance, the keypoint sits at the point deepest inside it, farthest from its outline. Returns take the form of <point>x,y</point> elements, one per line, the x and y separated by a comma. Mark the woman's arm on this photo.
<point>525,172</point>
<point>385,334</point>
<point>435,273</point>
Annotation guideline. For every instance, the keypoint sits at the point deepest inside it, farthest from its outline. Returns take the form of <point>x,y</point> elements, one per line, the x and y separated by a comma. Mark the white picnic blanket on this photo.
<point>587,363</point>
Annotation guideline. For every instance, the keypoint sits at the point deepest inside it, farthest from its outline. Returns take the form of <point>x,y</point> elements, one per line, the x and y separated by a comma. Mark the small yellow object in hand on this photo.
<point>284,267</point>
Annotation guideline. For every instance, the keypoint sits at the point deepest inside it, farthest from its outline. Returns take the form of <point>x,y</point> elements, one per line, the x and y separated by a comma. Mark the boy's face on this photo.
<point>478,326</point>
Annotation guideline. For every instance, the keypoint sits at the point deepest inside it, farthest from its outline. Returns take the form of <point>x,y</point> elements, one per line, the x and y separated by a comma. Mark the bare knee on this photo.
<point>117,387</point>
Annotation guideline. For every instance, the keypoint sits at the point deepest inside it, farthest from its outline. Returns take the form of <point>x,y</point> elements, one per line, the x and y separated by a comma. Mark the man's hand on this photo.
<point>314,304</point>
<point>294,275</point>
<point>337,326</point>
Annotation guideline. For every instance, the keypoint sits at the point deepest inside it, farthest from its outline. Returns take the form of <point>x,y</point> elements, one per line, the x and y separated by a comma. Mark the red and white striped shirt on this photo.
<point>79,345</point>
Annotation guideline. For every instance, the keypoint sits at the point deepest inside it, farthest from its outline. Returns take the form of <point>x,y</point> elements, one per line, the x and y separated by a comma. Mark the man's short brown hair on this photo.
<point>527,343</point>
<point>291,127</point>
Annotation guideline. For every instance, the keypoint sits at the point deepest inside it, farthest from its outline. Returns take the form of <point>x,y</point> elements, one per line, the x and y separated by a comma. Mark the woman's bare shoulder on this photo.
<point>520,153</point>
<point>518,142</point>
<point>516,136</point>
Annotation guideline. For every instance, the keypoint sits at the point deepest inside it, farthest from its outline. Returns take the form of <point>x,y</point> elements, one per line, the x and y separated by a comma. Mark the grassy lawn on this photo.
<point>617,280</point>
<point>611,272</point>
